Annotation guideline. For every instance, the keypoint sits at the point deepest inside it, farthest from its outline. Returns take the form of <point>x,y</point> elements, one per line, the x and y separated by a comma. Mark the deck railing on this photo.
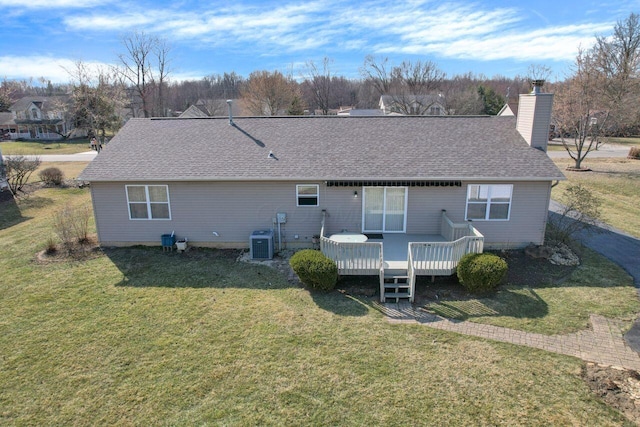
<point>424,258</point>
<point>353,258</point>
<point>442,258</point>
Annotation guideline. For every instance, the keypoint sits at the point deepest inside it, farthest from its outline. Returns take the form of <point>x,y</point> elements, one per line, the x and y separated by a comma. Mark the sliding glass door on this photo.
<point>384,209</point>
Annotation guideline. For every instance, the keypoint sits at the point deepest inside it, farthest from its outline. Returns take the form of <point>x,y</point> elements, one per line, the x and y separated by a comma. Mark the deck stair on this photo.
<point>396,286</point>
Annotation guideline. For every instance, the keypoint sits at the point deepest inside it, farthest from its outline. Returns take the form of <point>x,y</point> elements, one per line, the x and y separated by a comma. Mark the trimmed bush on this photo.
<point>51,176</point>
<point>481,272</point>
<point>634,153</point>
<point>314,269</point>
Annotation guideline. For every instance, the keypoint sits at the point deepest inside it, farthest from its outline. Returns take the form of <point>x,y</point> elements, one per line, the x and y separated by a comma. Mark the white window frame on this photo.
<point>148,202</point>
<point>307,196</point>
<point>384,211</point>
<point>489,202</point>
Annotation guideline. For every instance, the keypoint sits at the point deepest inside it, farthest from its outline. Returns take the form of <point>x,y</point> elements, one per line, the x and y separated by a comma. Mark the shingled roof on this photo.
<point>320,148</point>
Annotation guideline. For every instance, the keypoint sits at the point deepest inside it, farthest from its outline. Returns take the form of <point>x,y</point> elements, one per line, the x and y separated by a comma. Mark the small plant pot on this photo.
<point>181,245</point>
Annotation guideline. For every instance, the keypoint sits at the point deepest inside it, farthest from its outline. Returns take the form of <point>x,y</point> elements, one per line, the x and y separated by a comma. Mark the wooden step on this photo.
<point>395,272</point>
<point>396,286</point>
<point>396,295</point>
<point>396,279</point>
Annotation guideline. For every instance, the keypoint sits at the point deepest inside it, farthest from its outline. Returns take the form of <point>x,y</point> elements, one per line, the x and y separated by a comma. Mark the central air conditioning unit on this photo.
<point>261,244</point>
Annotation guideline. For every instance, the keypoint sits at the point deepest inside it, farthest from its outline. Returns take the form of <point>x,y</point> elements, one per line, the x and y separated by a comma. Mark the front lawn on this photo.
<point>630,141</point>
<point>140,337</point>
<point>616,182</point>
<point>44,147</point>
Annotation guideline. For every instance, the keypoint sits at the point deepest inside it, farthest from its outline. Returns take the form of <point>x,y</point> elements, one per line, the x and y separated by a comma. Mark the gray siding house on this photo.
<point>482,181</point>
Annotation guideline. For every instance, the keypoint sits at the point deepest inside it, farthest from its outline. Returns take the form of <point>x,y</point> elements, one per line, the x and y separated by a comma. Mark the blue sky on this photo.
<point>40,38</point>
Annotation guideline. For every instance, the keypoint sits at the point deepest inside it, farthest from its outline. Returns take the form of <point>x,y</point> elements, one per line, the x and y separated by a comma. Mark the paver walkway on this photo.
<point>603,343</point>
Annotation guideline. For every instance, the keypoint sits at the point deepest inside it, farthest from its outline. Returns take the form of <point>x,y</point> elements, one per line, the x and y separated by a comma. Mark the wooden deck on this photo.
<point>400,257</point>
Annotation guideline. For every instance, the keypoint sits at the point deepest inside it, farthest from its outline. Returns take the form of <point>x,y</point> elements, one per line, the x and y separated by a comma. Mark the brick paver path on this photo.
<point>603,343</point>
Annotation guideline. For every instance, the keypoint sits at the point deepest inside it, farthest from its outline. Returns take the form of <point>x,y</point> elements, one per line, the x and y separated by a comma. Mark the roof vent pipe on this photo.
<point>230,113</point>
<point>537,86</point>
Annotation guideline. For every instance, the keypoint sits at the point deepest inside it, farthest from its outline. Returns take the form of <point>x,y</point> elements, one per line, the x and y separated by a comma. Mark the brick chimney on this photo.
<point>534,116</point>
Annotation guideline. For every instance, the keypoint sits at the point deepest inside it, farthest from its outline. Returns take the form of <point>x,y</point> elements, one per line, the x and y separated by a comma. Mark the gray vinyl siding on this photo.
<point>234,209</point>
<point>528,217</point>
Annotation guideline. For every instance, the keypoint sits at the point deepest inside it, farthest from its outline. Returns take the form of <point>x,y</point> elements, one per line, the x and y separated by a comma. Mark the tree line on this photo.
<point>599,97</point>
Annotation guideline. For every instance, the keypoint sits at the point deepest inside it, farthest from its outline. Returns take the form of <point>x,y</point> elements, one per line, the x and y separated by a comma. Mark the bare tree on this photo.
<point>419,77</point>
<point>617,59</point>
<point>161,52</point>
<point>269,94</point>
<point>377,72</point>
<point>18,169</point>
<point>580,210</point>
<point>579,113</point>
<point>145,65</point>
<point>319,82</point>
<point>5,95</point>
<point>97,97</point>
<point>412,86</point>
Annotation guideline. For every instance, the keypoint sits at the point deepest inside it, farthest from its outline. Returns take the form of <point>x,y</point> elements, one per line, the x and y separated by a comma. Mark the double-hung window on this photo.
<point>307,195</point>
<point>148,201</point>
<point>489,202</point>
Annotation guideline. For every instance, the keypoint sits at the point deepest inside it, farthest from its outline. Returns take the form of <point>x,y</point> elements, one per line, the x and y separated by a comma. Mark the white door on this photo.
<point>384,209</point>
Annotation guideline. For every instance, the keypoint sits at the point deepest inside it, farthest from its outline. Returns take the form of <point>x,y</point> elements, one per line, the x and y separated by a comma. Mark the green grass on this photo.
<point>140,337</point>
<point>555,147</point>
<point>630,141</point>
<point>44,147</point>
<point>560,305</point>
<point>616,182</point>
<point>71,170</point>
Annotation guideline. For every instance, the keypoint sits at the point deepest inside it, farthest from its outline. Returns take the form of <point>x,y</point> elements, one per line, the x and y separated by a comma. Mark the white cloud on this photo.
<point>51,4</point>
<point>54,69</point>
<point>451,30</point>
<point>555,43</point>
<point>124,21</point>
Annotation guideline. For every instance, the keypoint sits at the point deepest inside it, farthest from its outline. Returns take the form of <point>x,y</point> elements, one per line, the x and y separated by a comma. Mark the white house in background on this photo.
<point>38,117</point>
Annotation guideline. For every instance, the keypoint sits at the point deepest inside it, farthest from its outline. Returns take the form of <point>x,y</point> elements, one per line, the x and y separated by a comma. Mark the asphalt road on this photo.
<point>606,150</point>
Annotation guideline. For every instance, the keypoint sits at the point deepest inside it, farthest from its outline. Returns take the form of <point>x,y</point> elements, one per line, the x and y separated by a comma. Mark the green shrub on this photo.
<point>634,153</point>
<point>314,269</point>
<point>481,272</point>
<point>51,176</point>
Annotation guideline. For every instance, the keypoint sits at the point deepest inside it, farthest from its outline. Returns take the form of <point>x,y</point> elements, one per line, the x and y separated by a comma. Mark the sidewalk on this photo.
<point>603,344</point>
<point>86,156</point>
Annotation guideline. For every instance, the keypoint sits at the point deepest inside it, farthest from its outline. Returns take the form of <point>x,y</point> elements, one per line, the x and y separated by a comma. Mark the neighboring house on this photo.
<point>350,111</point>
<point>213,108</point>
<point>38,117</point>
<point>193,112</point>
<point>412,105</point>
<point>509,109</point>
<point>442,186</point>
